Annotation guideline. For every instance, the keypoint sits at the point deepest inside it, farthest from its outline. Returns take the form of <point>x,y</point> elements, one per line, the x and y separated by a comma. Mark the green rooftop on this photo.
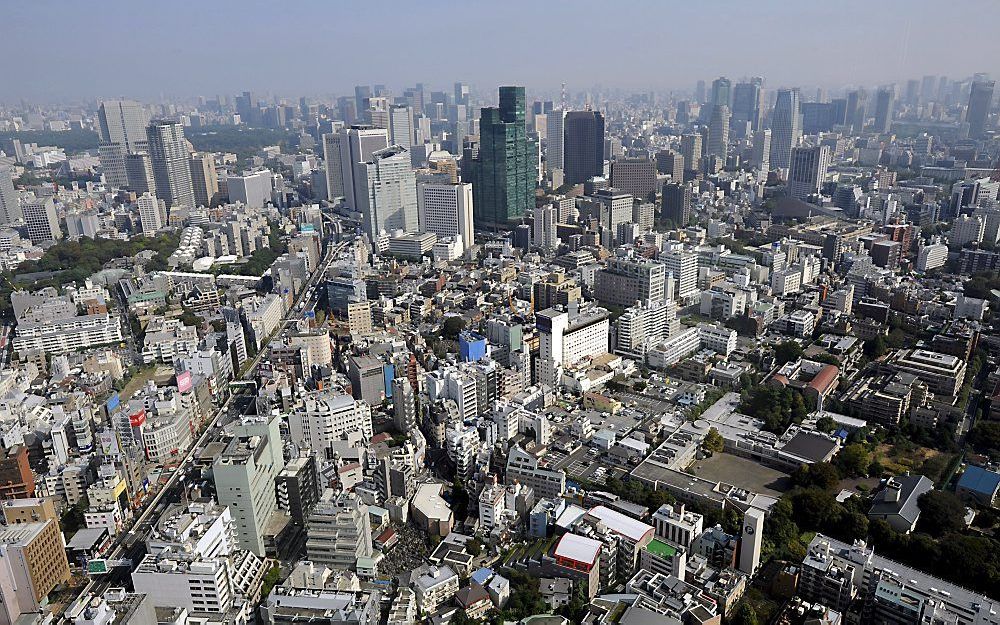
<point>660,548</point>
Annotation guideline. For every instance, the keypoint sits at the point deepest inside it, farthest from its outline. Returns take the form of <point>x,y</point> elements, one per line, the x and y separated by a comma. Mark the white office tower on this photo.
<point>751,539</point>
<point>357,145</point>
<point>332,151</point>
<point>760,154</point>
<point>168,153</point>
<point>546,219</point>
<point>446,210</point>
<point>554,139</point>
<point>386,192</point>
<point>566,338</point>
<point>338,531</point>
<point>397,119</point>
<point>682,266</point>
<point>10,209</point>
<point>42,220</point>
<point>152,213</point>
<point>252,188</point>
<point>122,126</point>
<point>808,170</point>
<point>325,417</point>
<point>785,127</point>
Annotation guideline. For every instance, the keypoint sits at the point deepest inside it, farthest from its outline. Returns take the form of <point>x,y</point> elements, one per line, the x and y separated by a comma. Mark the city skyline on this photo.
<point>833,48</point>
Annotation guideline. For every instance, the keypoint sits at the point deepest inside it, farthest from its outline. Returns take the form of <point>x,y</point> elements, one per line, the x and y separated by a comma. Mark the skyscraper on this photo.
<point>333,165</point>
<point>677,203</point>
<point>204,179</point>
<point>397,119</point>
<point>691,151</point>
<point>386,194</point>
<point>10,210</point>
<point>169,156</point>
<point>361,95</point>
<point>446,210</point>
<point>461,93</point>
<point>139,171</point>
<point>808,170</point>
<point>718,132</point>
<point>885,102</point>
<point>353,145</point>
<point>122,125</point>
<point>505,172</point>
<point>980,96</point>
<point>42,220</point>
<point>722,92</point>
<point>857,109</point>
<point>785,130</point>
<point>151,214</point>
<point>583,147</point>
<point>760,154</point>
<point>746,104</point>
<point>554,137</point>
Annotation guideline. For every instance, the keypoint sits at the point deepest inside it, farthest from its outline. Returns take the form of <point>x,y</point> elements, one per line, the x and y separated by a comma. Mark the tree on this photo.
<point>853,460</point>
<point>639,386</point>
<point>713,441</point>
<point>452,327</point>
<point>820,474</point>
<point>826,424</point>
<point>985,437</point>
<point>875,348</point>
<point>745,615</point>
<point>271,579</point>
<point>474,547</point>
<point>940,512</point>
<point>787,352</point>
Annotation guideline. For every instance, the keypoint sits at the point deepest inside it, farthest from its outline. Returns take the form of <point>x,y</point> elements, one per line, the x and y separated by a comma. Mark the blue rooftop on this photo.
<point>482,576</point>
<point>979,480</point>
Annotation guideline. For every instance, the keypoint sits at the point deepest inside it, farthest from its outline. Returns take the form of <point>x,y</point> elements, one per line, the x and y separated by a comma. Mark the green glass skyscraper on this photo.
<point>505,172</point>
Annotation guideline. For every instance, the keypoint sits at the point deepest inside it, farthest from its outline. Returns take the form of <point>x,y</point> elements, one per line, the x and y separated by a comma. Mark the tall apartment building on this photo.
<point>169,155</point>
<point>885,103</point>
<point>682,268</point>
<point>245,478</point>
<point>447,210</point>
<point>640,326</point>
<point>338,531</point>
<point>152,213</point>
<point>718,132</point>
<point>760,152</point>
<point>691,146</point>
<point>10,209</point>
<point>624,282</point>
<point>807,170</point>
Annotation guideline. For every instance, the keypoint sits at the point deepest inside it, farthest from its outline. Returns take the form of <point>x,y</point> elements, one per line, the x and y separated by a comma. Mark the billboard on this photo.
<point>137,419</point>
<point>184,381</point>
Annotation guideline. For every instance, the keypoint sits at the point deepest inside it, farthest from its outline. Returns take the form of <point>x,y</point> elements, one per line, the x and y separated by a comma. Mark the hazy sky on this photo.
<point>53,50</point>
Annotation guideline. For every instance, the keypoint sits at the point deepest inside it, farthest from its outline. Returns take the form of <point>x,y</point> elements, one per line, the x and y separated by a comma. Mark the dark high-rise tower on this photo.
<point>746,104</point>
<point>583,147</point>
<point>722,92</point>
<point>677,203</point>
<point>505,172</point>
<point>980,97</point>
<point>885,102</point>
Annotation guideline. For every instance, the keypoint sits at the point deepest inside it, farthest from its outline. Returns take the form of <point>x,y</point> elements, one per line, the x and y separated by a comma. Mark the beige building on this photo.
<point>32,563</point>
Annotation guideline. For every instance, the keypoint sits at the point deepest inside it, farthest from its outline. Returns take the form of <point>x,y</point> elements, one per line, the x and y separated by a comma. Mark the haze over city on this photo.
<point>70,51</point>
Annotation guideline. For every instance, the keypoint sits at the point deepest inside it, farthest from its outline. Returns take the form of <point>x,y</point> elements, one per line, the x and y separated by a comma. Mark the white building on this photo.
<point>931,257</point>
<point>152,213</point>
<point>568,337</point>
<point>446,210</point>
<point>325,417</point>
<point>386,192</point>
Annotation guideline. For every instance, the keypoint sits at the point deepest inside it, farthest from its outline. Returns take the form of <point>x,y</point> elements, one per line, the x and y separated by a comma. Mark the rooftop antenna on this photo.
<point>562,102</point>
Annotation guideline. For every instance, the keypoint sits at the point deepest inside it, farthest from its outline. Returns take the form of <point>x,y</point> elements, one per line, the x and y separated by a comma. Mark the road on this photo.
<point>129,545</point>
